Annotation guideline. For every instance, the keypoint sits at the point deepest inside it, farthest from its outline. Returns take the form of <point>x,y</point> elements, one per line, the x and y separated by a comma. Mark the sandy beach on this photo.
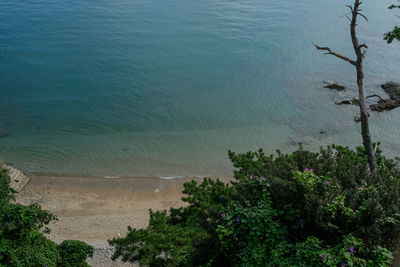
<point>97,209</point>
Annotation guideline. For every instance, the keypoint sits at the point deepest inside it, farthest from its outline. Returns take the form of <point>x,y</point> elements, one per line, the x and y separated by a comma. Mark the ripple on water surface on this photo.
<point>165,88</point>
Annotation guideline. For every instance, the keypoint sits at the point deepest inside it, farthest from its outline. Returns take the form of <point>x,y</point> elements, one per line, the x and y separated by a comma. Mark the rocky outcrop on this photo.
<point>335,86</point>
<point>386,104</point>
<point>17,179</point>
<point>393,90</point>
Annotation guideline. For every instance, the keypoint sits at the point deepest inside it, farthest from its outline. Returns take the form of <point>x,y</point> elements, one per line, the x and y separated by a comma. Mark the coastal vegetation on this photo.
<point>395,33</point>
<point>22,235</point>
<point>302,209</point>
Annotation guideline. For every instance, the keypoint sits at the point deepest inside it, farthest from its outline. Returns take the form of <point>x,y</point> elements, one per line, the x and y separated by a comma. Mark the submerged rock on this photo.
<point>4,135</point>
<point>353,101</point>
<point>335,86</point>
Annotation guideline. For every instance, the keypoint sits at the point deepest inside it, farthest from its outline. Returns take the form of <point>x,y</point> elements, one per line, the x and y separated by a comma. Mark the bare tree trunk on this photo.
<point>360,82</point>
<point>364,121</point>
<point>360,51</point>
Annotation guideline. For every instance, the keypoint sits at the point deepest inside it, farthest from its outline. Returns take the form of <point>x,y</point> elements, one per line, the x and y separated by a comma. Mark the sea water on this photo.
<point>166,87</point>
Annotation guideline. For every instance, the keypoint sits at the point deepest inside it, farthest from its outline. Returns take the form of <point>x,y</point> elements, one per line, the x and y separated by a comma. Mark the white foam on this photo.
<point>111,177</point>
<point>171,177</point>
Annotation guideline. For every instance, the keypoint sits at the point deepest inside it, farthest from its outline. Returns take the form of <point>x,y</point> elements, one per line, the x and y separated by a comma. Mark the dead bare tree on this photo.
<point>360,51</point>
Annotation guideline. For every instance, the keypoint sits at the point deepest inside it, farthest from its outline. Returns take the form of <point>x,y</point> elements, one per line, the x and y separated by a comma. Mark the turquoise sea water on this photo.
<point>166,87</point>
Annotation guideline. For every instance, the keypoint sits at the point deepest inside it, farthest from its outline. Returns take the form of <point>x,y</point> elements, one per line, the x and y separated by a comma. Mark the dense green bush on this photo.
<point>329,194</point>
<point>253,235</point>
<point>185,236</point>
<point>22,239</point>
<point>299,209</point>
<point>73,253</point>
<point>170,241</point>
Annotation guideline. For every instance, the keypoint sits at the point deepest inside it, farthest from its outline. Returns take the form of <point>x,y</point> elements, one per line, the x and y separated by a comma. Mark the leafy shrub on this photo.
<point>5,189</point>
<point>160,244</point>
<point>22,239</point>
<point>299,209</point>
<point>253,235</point>
<point>74,253</point>
<point>188,232</point>
<point>329,194</point>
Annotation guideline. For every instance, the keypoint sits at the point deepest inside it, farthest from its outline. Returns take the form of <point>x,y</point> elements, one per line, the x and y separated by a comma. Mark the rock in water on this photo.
<point>386,104</point>
<point>335,86</point>
<point>353,101</point>
<point>3,135</point>
<point>392,89</point>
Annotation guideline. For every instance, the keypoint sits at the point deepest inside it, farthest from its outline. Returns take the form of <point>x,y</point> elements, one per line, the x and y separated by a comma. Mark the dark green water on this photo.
<point>166,87</point>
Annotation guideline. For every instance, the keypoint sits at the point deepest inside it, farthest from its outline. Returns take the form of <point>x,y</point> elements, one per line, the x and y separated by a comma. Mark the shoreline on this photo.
<point>97,209</point>
<point>224,176</point>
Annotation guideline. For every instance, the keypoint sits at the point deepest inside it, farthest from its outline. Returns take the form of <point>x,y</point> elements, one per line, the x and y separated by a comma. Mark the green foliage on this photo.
<point>5,189</point>
<point>313,252</point>
<point>299,209</point>
<point>161,244</point>
<point>35,250</point>
<point>392,35</point>
<point>188,233</point>
<point>22,242</point>
<point>73,253</point>
<point>395,33</point>
<point>22,239</point>
<point>338,197</point>
<point>251,234</point>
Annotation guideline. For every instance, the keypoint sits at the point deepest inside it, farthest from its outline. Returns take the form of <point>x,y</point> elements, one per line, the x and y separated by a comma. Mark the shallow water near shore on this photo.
<point>165,88</point>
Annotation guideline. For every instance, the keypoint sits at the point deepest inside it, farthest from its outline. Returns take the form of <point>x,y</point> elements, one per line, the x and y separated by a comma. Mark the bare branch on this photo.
<point>363,45</point>
<point>375,96</point>
<point>330,52</point>
<point>351,8</point>
<point>362,16</point>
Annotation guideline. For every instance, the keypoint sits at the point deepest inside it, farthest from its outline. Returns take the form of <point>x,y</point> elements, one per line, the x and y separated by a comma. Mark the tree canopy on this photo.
<point>23,230</point>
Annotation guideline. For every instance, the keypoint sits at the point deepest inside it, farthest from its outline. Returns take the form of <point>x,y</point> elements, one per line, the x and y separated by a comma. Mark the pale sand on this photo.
<point>97,209</point>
